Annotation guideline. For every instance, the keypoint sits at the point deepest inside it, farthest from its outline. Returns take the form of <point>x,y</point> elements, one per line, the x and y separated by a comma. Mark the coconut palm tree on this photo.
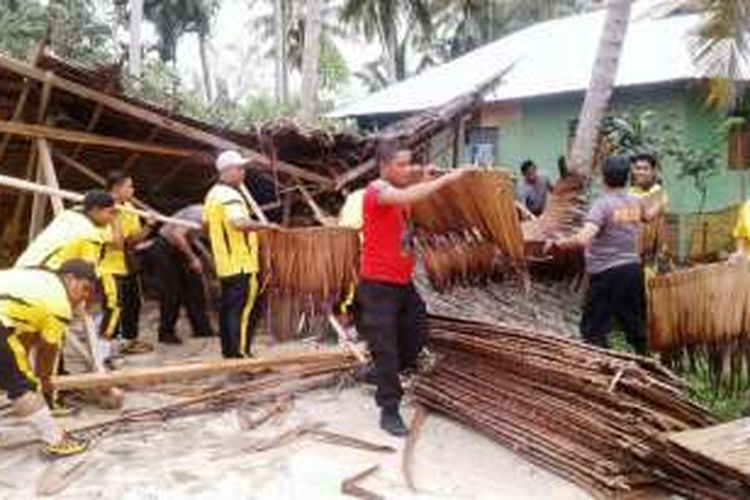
<point>601,86</point>
<point>385,20</point>
<point>310,61</point>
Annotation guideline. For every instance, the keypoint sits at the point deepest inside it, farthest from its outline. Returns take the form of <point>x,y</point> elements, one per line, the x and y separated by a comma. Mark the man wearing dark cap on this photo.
<point>610,239</point>
<point>36,307</point>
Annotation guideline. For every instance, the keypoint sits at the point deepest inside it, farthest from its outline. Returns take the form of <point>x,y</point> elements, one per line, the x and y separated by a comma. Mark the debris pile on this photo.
<point>598,418</point>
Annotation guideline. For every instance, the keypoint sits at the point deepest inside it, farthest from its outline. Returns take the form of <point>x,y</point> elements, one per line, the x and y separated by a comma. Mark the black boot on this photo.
<point>392,423</point>
<point>170,339</point>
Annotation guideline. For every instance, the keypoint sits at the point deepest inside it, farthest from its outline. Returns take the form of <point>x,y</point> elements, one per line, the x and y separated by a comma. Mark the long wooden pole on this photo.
<point>76,137</point>
<point>194,370</point>
<point>33,187</point>
<point>159,120</point>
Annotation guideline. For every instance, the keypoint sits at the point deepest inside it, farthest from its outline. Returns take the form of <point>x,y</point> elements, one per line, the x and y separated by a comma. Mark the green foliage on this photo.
<point>633,133</point>
<point>173,19</point>
<point>74,31</point>
<point>699,162</point>
<point>161,84</point>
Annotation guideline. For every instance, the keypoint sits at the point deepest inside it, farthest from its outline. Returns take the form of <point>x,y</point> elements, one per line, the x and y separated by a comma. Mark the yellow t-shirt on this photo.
<point>742,227</point>
<point>114,261</point>
<point>234,252</point>
<point>351,214</point>
<point>34,301</point>
<point>70,235</point>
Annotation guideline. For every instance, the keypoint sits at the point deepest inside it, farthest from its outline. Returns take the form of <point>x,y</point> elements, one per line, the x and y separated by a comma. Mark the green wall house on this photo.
<point>531,112</point>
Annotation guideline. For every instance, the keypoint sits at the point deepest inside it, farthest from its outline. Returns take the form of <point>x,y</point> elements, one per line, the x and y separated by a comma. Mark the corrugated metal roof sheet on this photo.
<point>548,58</point>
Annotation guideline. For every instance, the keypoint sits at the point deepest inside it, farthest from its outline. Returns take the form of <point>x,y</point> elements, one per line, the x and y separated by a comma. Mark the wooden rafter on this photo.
<point>94,120</point>
<point>21,102</point>
<point>133,158</point>
<point>73,136</point>
<point>260,161</point>
<point>83,169</point>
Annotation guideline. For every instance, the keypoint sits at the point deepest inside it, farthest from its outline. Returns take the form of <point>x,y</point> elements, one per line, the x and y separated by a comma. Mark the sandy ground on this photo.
<point>210,456</point>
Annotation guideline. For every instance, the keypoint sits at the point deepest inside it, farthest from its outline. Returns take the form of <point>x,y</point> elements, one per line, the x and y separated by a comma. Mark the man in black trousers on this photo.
<point>175,257</point>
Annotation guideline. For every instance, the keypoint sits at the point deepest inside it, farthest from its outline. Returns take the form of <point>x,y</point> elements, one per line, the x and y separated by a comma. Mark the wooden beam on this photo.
<point>94,120</point>
<point>320,215</point>
<point>17,111</point>
<point>83,169</point>
<point>161,374</point>
<point>41,112</point>
<point>133,158</point>
<point>121,106</point>
<point>22,98</point>
<point>72,136</point>
<point>50,176</point>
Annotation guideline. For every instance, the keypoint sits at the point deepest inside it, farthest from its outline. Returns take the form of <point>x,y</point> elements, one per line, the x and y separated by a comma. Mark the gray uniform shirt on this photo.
<point>193,213</point>
<point>533,196</point>
<point>618,216</point>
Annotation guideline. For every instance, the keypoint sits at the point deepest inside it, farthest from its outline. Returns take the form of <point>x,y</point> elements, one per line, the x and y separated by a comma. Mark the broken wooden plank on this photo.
<point>350,441</point>
<point>351,487</point>
<point>145,376</point>
<point>415,430</point>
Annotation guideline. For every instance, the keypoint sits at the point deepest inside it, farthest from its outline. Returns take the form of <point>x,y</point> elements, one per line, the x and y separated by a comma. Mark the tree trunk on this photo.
<point>310,60</point>
<point>391,54</point>
<point>205,68</point>
<point>136,21</point>
<point>601,86</point>
<point>280,66</point>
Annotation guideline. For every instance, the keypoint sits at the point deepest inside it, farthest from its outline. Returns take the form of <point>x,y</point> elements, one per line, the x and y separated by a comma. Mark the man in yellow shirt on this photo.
<point>36,307</point>
<point>77,233</point>
<point>351,216</point>
<point>119,279</point>
<point>644,184</point>
<point>741,233</point>
<point>234,244</point>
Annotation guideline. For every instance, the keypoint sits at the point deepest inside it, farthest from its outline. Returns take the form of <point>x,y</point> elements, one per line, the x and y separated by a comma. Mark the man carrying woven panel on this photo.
<point>644,185</point>
<point>117,269</point>
<point>610,237</point>
<point>234,245</point>
<point>36,307</point>
<point>390,314</point>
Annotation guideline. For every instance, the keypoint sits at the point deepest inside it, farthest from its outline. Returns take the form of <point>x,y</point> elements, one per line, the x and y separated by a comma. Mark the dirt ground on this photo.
<point>211,456</point>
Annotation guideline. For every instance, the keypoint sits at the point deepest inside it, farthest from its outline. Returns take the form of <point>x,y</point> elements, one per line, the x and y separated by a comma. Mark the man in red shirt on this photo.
<point>390,312</point>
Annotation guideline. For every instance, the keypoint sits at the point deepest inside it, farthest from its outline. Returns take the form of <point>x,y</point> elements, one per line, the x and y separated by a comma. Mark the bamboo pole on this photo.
<point>253,204</point>
<point>148,376</point>
<point>33,187</point>
<point>159,120</point>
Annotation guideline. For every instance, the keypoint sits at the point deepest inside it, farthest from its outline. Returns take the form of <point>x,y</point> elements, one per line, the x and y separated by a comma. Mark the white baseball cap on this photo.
<point>229,159</point>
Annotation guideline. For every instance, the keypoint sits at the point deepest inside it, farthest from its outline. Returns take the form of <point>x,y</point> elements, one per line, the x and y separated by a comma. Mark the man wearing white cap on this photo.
<point>234,244</point>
